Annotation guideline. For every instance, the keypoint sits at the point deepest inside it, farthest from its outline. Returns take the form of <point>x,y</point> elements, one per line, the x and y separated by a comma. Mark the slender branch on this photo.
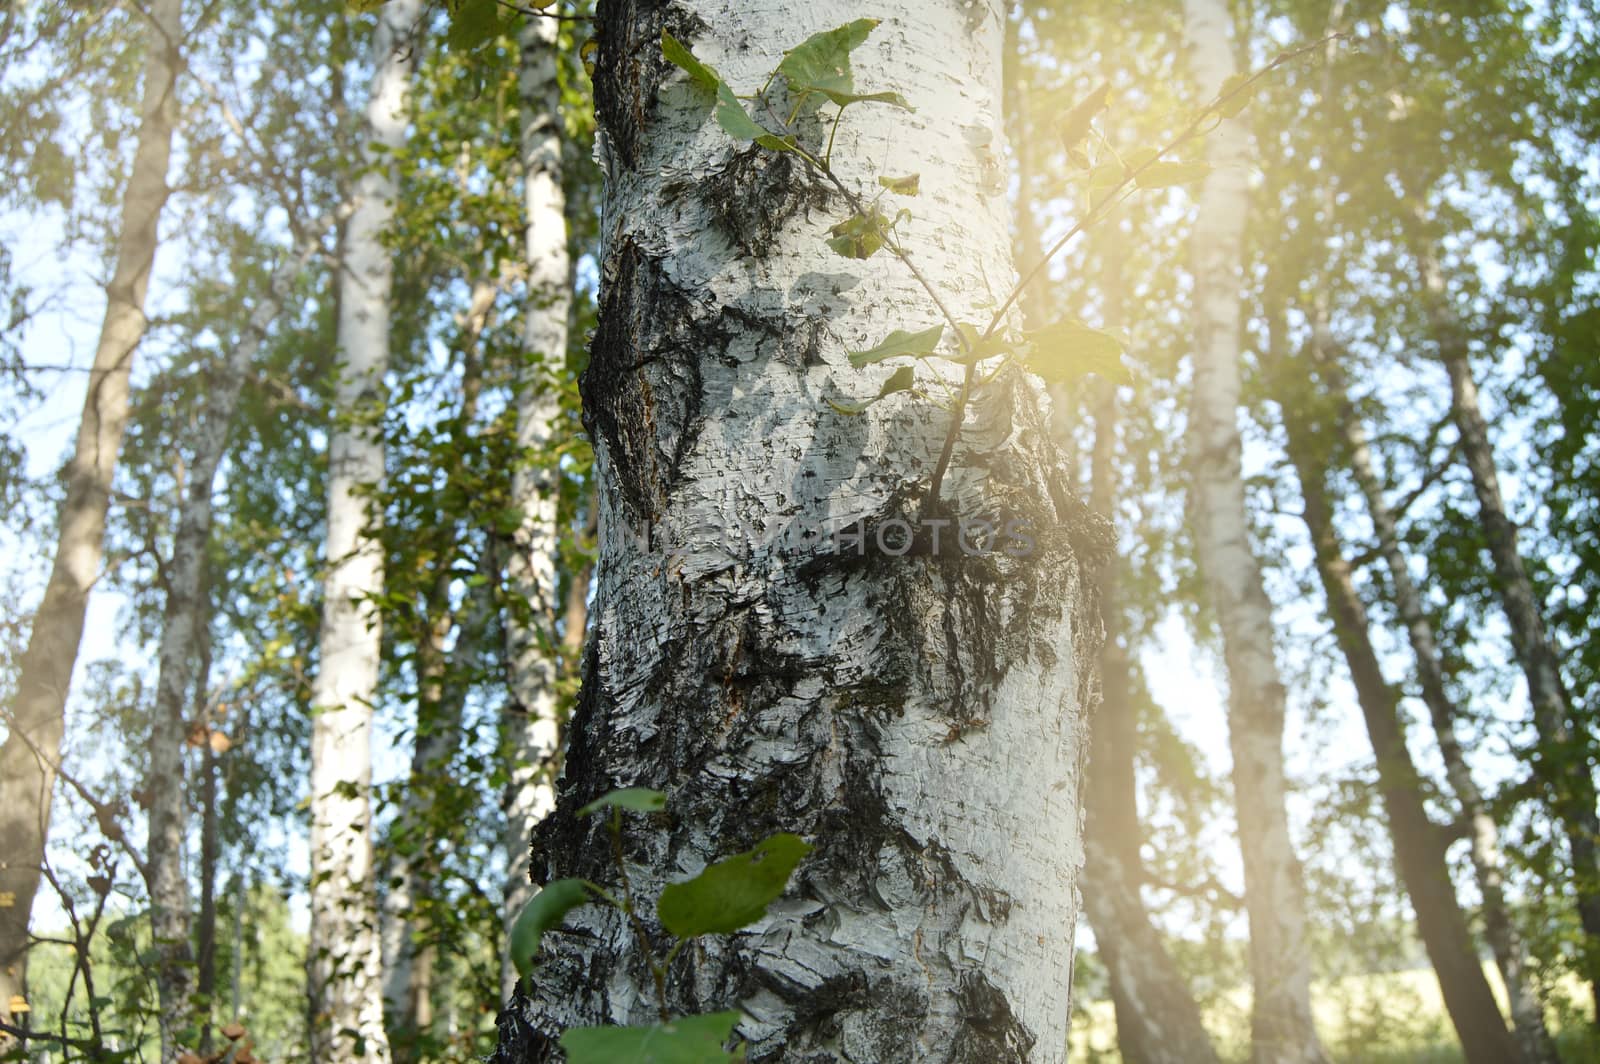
<point>533,12</point>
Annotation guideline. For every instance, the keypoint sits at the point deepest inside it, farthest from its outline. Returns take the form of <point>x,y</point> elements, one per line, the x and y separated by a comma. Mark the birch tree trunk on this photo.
<point>1158,1020</point>
<point>1566,764</point>
<point>1488,861</point>
<point>1281,1024</point>
<point>1419,846</point>
<point>916,713</point>
<point>36,718</point>
<point>345,953</point>
<point>532,730</point>
<point>182,633</point>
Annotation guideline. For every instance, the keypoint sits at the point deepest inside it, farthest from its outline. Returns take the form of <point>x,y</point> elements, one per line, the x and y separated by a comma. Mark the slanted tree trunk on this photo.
<point>1419,844</point>
<point>36,718</point>
<point>916,714</point>
<point>1488,861</point>
<point>1566,762</point>
<point>345,954</point>
<point>532,733</point>
<point>1281,1024</point>
<point>1158,1020</point>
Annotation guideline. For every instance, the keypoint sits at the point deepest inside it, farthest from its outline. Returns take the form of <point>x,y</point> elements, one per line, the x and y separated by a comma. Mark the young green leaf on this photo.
<point>1232,98</point>
<point>845,98</point>
<point>859,236</point>
<point>821,63</point>
<point>1075,125</point>
<point>473,23</point>
<point>685,1040</point>
<point>633,799</point>
<point>1166,175</point>
<point>732,117</point>
<point>732,893</point>
<point>1069,349</point>
<point>680,56</point>
<point>978,347</point>
<point>901,380</point>
<point>916,344</point>
<point>544,910</point>
<point>909,185</point>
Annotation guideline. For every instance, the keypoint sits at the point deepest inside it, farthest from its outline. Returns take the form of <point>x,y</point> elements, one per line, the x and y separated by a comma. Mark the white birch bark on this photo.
<point>1281,1023</point>
<point>532,733</point>
<point>917,716</point>
<point>181,634</point>
<point>345,954</point>
<point>36,718</point>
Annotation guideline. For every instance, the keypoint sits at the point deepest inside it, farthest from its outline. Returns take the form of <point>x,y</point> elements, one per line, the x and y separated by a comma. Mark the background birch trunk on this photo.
<point>1419,844</point>
<point>38,712</point>
<point>1281,1024</point>
<point>1158,1020</point>
<point>345,953</point>
<point>1566,764</point>
<point>182,640</point>
<point>918,716</point>
<point>1488,860</point>
<point>533,733</point>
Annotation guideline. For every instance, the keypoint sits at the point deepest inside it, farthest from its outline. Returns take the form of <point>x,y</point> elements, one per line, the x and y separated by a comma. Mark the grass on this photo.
<point>1380,1018</point>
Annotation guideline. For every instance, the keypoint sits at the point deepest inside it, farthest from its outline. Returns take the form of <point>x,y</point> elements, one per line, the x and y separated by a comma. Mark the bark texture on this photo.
<point>345,954</point>
<point>916,714</point>
<point>1282,1031</point>
<point>1566,762</point>
<point>1419,845</point>
<point>36,719</point>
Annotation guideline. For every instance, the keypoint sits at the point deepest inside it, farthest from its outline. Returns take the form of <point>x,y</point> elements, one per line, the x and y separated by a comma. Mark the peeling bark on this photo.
<point>916,715</point>
<point>36,718</point>
<point>1419,845</point>
<point>345,951</point>
<point>533,730</point>
<point>1282,1031</point>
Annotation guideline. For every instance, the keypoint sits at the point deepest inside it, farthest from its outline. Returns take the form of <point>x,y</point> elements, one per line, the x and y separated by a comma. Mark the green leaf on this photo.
<point>732,893</point>
<point>365,7</point>
<point>680,56</point>
<point>1069,349</point>
<point>634,799</point>
<point>1232,97</point>
<point>916,344</point>
<point>544,910</point>
<point>859,236</point>
<point>844,99</point>
<point>686,1040</point>
<point>979,347</point>
<point>473,23</point>
<point>1077,122</point>
<point>901,380</point>
<point>821,63</point>
<point>1166,175</point>
<point>732,117</point>
<point>909,185</point>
